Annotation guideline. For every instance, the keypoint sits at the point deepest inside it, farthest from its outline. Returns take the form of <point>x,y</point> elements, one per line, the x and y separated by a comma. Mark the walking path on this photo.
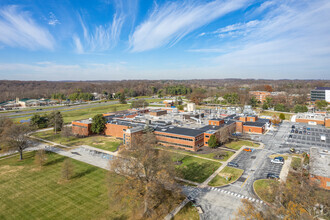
<point>285,169</point>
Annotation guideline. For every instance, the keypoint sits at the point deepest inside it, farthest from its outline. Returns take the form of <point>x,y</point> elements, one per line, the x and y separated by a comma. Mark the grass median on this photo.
<point>188,212</point>
<point>236,145</point>
<point>226,176</point>
<point>193,168</point>
<point>263,188</point>
<point>101,142</point>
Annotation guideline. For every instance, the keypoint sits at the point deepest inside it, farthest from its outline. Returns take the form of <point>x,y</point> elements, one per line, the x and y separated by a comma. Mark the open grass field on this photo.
<point>270,113</point>
<point>193,168</point>
<point>208,155</point>
<point>231,173</point>
<point>102,142</point>
<point>28,192</point>
<point>78,114</point>
<point>262,188</point>
<point>236,145</point>
<point>189,212</point>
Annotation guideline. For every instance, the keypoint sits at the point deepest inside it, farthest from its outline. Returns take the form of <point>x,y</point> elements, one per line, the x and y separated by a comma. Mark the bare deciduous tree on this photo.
<point>40,157</point>
<point>149,178</point>
<point>16,138</point>
<point>67,169</point>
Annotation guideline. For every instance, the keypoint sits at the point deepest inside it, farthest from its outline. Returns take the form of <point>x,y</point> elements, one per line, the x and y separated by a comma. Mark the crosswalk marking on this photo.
<point>236,195</point>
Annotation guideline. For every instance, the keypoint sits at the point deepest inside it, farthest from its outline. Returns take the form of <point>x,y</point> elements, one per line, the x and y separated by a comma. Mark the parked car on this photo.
<point>248,149</point>
<point>293,126</point>
<point>290,136</point>
<point>272,176</point>
<point>277,161</point>
<point>308,133</point>
<point>300,132</point>
<point>308,129</point>
<point>296,131</point>
<point>232,164</point>
<point>279,158</point>
<point>292,131</point>
<point>292,150</point>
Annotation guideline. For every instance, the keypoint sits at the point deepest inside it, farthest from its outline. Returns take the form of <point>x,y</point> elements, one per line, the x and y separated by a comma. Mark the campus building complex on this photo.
<point>189,131</point>
<point>319,167</point>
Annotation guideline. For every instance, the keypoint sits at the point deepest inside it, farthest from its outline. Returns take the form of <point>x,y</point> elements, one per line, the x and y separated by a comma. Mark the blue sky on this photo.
<point>185,39</point>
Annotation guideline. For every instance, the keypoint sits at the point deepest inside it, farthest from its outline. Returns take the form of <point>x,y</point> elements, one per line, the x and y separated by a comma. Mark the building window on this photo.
<point>206,142</point>
<point>249,130</point>
<point>207,136</point>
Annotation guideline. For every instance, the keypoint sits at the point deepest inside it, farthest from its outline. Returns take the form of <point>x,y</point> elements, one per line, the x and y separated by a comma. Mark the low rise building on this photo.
<point>157,112</point>
<point>260,95</point>
<point>319,167</point>
<point>82,127</point>
<point>312,118</point>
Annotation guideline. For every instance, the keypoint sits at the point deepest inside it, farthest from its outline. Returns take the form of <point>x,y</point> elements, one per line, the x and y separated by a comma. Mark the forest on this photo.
<point>208,87</point>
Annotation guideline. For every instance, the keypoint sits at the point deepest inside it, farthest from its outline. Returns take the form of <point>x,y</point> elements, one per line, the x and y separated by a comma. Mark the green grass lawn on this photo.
<point>209,155</point>
<point>236,145</point>
<point>188,212</point>
<point>194,169</point>
<point>296,163</point>
<point>28,192</point>
<point>270,113</point>
<point>102,142</point>
<point>231,173</point>
<point>262,188</point>
<point>78,114</point>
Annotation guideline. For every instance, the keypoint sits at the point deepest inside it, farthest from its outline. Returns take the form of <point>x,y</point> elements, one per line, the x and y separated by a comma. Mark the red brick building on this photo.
<point>319,167</point>
<point>260,95</point>
<point>82,127</point>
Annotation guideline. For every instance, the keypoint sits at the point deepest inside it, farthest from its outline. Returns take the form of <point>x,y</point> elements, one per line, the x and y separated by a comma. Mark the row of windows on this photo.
<point>79,126</point>
<point>185,139</point>
<point>175,144</point>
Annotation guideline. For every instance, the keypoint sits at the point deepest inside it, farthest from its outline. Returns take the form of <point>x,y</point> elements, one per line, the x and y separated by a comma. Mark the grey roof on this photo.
<point>322,88</point>
<point>254,124</point>
<point>263,120</point>
<point>319,162</point>
<point>180,131</point>
<point>216,119</point>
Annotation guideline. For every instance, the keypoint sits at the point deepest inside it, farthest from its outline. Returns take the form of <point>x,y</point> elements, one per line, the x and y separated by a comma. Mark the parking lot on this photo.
<point>270,167</point>
<point>304,135</point>
<point>246,159</point>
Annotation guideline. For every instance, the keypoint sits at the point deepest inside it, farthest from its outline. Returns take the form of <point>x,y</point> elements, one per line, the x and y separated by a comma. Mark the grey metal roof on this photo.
<point>179,131</point>
<point>319,162</point>
<point>254,124</point>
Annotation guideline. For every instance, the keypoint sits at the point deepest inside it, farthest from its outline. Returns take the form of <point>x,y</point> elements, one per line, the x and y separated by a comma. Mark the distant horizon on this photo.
<point>164,39</point>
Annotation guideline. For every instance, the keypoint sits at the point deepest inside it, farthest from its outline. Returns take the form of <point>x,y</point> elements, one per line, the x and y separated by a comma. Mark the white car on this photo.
<point>277,161</point>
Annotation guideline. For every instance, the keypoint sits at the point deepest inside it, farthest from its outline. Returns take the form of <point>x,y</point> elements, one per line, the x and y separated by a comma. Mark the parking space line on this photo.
<point>245,181</point>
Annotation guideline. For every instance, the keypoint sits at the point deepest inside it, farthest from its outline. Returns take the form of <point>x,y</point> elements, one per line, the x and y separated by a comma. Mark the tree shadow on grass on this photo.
<point>55,161</point>
<point>194,172</point>
<point>85,172</point>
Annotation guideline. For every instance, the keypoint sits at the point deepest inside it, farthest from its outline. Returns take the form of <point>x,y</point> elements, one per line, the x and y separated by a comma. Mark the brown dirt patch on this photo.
<point>10,170</point>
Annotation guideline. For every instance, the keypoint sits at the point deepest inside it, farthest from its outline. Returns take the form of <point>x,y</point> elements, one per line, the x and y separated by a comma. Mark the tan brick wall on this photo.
<point>82,130</point>
<point>322,181</point>
<point>251,129</point>
<point>115,130</point>
<point>301,120</point>
<point>194,143</point>
<point>327,122</point>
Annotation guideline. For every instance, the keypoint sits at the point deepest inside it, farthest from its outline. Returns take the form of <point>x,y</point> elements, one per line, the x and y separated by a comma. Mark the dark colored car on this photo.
<point>300,132</point>
<point>293,126</point>
<point>279,158</point>
<point>292,131</point>
<point>290,136</point>
<point>272,176</point>
<point>296,131</point>
<point>232,164</point>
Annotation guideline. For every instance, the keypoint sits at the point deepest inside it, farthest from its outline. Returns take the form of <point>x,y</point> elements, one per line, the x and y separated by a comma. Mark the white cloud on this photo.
<point>105,37</point>
<point>293,38</point>
<point>77,43</point>
<point>52,19</point>
<point>18,29</point>
<point>174,20</point>
<point>237,26</point>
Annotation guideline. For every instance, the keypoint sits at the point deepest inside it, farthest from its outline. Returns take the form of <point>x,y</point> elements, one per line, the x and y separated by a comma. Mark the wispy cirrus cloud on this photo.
<point>52,20</point>
<point>18,29</point>
<point>168,24</point>
<point>292,38</point>
<point>105,37</point>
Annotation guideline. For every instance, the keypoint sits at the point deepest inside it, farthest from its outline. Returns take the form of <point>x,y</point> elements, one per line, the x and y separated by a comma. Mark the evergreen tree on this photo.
<point>213,142</point>
<point>98,124</point>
